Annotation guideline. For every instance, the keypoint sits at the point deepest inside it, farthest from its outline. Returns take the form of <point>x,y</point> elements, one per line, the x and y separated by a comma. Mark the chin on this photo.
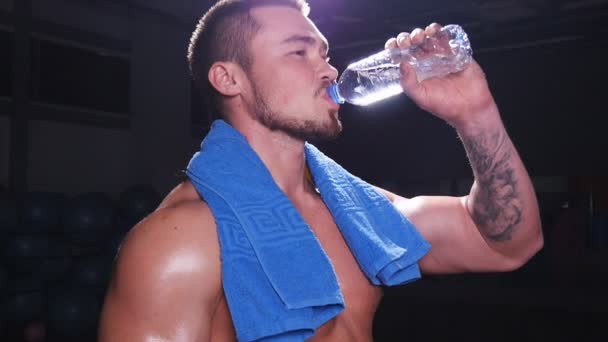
<point>315,130</point>
<point>330,131</point>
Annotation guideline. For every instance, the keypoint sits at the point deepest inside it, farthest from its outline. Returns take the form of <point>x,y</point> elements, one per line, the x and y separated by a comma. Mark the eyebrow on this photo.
<point>308,40</point>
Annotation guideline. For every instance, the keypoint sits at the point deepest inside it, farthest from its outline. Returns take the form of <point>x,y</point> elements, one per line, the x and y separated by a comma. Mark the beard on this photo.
<point>302,129</point>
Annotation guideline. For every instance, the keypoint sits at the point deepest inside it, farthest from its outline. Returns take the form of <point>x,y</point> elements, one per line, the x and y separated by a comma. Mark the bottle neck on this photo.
<point>334,93</point>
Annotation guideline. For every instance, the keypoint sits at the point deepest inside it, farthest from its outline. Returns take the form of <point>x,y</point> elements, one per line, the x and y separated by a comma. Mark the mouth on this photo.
<point>326,97</point>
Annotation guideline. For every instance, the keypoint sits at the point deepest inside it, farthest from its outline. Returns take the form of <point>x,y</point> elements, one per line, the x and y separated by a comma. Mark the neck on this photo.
<point>282,155</point>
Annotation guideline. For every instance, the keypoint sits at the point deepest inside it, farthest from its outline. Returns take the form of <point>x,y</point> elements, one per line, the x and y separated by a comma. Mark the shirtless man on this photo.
<point>268,68</point>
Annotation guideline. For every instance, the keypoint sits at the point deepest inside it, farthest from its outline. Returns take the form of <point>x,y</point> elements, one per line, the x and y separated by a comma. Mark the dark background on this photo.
<point>97,117</point>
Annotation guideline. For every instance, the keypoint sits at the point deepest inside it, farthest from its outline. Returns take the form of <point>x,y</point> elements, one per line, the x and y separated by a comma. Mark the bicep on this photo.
<point>456,243</point>
<point>172,320</point>
<point>160,316</point>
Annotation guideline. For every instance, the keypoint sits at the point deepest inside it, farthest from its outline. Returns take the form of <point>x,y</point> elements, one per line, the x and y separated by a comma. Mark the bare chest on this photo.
<point>360,295</point>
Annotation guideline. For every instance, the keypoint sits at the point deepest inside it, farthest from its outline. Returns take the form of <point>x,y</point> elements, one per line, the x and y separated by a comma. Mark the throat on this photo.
<point>310,181</point>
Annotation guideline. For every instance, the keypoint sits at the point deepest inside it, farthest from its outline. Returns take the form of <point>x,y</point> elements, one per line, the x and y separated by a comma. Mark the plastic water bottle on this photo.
<point>377,77</point>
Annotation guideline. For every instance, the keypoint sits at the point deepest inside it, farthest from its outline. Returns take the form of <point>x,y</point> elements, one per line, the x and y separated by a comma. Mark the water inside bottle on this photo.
<point>377,77</point>
<point>362,85</point>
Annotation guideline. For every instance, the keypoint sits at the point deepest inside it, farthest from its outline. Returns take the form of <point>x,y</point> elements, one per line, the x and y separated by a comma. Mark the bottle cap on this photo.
<point>334,94</point>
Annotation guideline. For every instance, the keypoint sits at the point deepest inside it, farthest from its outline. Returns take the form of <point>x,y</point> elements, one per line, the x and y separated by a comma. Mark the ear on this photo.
<point>224,77</point>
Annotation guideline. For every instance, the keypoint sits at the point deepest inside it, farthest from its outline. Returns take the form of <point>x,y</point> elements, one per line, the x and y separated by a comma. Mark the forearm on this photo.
<point>502,201</point>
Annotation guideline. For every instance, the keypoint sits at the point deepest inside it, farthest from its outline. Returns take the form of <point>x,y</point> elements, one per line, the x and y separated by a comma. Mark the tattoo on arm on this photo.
<point>496,207</point>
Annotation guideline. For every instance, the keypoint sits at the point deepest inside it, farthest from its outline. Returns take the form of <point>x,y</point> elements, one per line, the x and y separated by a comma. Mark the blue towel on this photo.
<point>278,282</point>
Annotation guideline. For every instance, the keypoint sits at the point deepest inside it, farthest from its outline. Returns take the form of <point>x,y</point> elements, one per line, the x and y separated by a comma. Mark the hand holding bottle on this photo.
<point>460,98</point>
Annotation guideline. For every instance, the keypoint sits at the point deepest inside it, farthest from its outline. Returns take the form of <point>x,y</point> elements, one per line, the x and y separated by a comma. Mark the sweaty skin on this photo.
<point>167,283</point>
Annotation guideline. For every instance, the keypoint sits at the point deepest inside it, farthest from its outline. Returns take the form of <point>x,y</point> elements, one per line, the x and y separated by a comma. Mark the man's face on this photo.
<point>289,75</point>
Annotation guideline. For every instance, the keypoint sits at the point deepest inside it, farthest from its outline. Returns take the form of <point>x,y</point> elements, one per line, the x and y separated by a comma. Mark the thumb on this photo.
<point>409,79</point>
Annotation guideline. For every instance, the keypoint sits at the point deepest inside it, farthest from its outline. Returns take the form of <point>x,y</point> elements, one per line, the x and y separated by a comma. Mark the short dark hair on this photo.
<point>223,34</point>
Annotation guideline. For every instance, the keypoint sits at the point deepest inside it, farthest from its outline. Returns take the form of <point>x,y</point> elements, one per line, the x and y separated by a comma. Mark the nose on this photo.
<point>328,72</point>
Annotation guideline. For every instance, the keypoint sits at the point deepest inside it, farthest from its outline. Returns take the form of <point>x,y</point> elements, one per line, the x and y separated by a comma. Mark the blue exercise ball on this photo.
<point>23,307</point>
<point>72,314</point>
<point>88,218</point>
<point>113,245</point>
<point>23,253</point>
<point>41,211</point>
<point>91,274</point>
<point>136,202</point>
<point>58,262</point>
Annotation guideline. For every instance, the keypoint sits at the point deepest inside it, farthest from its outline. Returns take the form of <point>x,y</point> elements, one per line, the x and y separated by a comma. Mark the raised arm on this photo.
<point>502,201</point>
<point>166,283</point>
<point>497,226</point>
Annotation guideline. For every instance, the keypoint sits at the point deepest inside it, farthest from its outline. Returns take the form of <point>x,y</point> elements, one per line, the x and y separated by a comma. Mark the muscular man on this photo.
<point>266,67</point>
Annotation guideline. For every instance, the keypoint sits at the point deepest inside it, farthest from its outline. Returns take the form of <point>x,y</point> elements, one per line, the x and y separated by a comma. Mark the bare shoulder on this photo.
<point>182,227</point>
<point>182,231</point>
<point>167,272</point>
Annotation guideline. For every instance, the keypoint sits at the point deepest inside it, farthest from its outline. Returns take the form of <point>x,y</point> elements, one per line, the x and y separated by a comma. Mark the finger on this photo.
<point>409,80</point>
<point>391,43</point>
<point>432,29</point>
<point>403,40</point>
<point>417,36</point>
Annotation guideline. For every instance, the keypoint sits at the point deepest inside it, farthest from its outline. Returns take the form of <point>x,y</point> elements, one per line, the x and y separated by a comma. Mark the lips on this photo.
<point>326,96</point>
